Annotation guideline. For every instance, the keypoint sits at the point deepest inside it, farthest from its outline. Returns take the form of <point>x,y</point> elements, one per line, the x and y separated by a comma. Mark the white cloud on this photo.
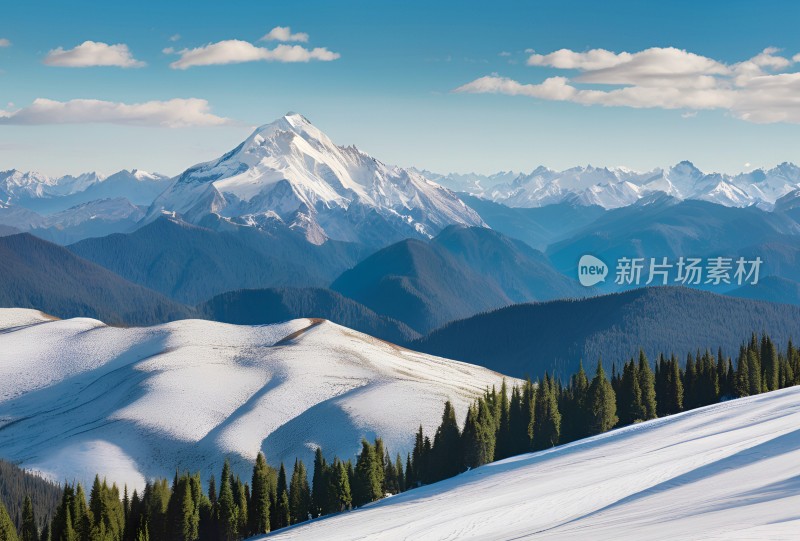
<point>5,42</point>
<point>689,114</point>
<point>504,53</point>
<point>235,51</point>
<point>175,113</point>
<point>757,90</point>
<point>93,53</point>
<point>284,33</point>
<point>175,37</point>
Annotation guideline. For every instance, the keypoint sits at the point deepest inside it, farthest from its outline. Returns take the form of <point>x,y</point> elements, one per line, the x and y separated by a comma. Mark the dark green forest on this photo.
<point>499,424</point>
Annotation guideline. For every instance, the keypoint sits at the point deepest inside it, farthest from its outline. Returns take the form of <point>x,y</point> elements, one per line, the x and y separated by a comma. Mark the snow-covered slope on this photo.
<point>728,471</point>
<point>291,171</point>
<point>78,396</point>
<point>618,186</point>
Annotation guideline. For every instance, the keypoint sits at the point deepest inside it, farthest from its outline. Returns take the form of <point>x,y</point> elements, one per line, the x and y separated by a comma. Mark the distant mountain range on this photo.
<point>527,339</point>
<point>613,187</point>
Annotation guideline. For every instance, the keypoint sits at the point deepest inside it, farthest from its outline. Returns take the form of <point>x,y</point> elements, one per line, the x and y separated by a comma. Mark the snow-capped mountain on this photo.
<point>619,187</point>
<point>290,171</point>
<point>727,471</point>
<point>46,195</point>
<point>78,397</point>
<point>471,183</point>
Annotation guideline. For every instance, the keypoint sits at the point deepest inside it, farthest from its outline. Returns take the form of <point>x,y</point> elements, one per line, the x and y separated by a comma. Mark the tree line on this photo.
<point>499,424</point>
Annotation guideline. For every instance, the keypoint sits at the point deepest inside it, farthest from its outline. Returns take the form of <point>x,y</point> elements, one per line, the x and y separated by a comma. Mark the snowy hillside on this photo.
<point>619,187</point>
<point>77,396</point>
<point>291,172</point>
<point>727,471</point>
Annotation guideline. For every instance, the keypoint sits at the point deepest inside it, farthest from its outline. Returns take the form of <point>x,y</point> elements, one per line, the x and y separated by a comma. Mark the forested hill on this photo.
<point>263,306</point>
<point>38,274</point>
<point>527,339</point>
<point>16,483</point>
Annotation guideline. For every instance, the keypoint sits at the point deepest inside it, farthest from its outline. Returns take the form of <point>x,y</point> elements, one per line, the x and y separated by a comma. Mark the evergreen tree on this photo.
<point>29,531</point>
<point>228,514</point>
<point>754,366</point>
<point>380,464</point>
<point>7,530</point>
<point>283,514</point>
<point>398,468</point>
<point>602,403</point>
<point>647,385</point>
<point>478,437</point>
<point>769,363</point>
<point>446,444</point>
<point>690,384</point>
<point>742,387</point>
<point>319,484</point>
<point>299,493</point>
<point>183,515</point>
<point>367,483</point>
<point>629,399</point>
<point>259,497</point>
<point>547,418</point>
<point>343,495</point>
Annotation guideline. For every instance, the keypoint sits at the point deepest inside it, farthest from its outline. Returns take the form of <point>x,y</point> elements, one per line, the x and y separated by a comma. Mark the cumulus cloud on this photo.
<point>284,33</point>
<point>5,42</point>
<point>234,51</point>
<point>175,113</point>
<point>93,53</point>
<point>759,89</point>
<point>175,37</point>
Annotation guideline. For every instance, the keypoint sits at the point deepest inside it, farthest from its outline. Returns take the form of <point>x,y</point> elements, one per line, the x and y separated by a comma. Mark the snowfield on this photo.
<point>727,471</point>
<point>78,397</point>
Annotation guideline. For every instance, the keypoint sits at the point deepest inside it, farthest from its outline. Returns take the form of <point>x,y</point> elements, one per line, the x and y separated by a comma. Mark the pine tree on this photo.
<point>29,530</point>
<point>547,418</point>
<point>183,516</point>
<point>742,387</point>
<point>259,497</point>
<point>401,478</point>
<point>446,443</point>
<point>647,385</point>
<point>319,484</point>
<point>690,384</point>
<point>7,530</point>
<point>344,497</point>
<point>504,445</point>
<point>602,403</point>
<point>769,363</point>
<point>367,483</point>
<point>754,365</point>
<point>228,519</point>
<point>299,493</point>
<point>629,399</point>
<point>283,515</point>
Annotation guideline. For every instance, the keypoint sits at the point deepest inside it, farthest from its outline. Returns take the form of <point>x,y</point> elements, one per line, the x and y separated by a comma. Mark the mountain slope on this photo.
<point>263,306</point>
<point>527,339</point>
<point>292,171</point>
<point>461,272</point>
<point>727,471</point>
<point>191,263</point>
<point>77,396</point>
<point>771,289</point>
<point>38,274</point>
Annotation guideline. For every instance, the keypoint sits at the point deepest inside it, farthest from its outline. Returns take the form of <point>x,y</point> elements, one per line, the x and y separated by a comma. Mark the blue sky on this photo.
<point>384,77</point>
